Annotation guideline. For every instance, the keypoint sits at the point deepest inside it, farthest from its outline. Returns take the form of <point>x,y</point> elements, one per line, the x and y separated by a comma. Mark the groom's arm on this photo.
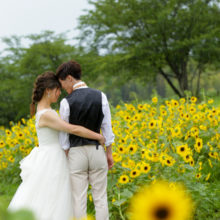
<point>107,132</point>
<point>64,114</point>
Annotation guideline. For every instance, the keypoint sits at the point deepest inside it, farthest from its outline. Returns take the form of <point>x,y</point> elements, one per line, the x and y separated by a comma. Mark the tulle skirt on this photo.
<point>45,187</point>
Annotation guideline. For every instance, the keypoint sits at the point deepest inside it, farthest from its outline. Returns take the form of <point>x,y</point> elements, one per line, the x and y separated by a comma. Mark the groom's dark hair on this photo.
<point>69,68</point>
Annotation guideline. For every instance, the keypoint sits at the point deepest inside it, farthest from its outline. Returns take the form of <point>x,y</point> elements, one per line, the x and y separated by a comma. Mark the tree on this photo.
<point>143,38</point>
<point>20,67</point>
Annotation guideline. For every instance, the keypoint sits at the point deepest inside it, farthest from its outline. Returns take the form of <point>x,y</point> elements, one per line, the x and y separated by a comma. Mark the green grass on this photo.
<point>6,193</point>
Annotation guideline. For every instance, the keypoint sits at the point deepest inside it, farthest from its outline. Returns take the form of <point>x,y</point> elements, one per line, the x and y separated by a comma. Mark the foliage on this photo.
<point>143,38</point>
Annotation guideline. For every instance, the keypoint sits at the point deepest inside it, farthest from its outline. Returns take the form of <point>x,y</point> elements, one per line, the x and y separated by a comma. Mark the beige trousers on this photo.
<point>89,165</point>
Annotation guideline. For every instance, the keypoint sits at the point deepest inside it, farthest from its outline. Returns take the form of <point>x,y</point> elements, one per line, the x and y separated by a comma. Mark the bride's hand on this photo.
<point>101,140</point>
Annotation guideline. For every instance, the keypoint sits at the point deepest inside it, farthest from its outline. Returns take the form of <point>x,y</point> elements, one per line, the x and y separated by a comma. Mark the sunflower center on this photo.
<point>182,148</point>
<point>161,213</point>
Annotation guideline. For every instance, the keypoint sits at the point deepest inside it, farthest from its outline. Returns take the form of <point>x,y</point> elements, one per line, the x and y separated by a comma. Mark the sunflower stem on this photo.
<point>121,215</point>
<point>119,208</point>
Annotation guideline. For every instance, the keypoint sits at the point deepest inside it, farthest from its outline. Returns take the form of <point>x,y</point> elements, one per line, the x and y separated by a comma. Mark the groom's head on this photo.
<point>68,74</point>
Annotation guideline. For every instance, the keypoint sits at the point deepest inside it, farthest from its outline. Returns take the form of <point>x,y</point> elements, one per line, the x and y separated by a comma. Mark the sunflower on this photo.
<point>210,116</point>
<point>176,131</point>
<point>182,150</point>
<point>123,179</point>
<point>182,100</point>
<point>193,99</point>
<point>163,112</point>
<point>152,155</point>
<point>116,157</point>
<point>20,135</point>
<point>145,167</point>
<point>191,162</point>
<point>182,115</point>
<point>210,101</point>
<point>194,131</point>
<point>143,152</point>
<point>23,121</point>
<point>140,106</point>
<point>8,132</point>
<point>132,149</point>
<point>161,131</point>
<point>127,118</point>
<point>186,116</point>
<point>134,173</point>
<point>27,141</point>
<point>11,159</point>
<point>198,145</point>
<point>152,124</point>
<point>2,144</point>
<point>131,163</point>
<point>123,140</point>
<point>159,201</point>
<point>32,128</point>
<point>192,110</point>
<point>4,165</point>
<point>174,103</point>
<point>203,127</point>
<point>187,158</point>
<point>155,100</point>
<point>167,103</point>
<point>207,177</point>
<point>198,175</point>
<point>121,149</point>
<point>22,148</point>
<point>210,163</point>
<point>200,166</point>
<point>213,155</point>
<point>170,161</point>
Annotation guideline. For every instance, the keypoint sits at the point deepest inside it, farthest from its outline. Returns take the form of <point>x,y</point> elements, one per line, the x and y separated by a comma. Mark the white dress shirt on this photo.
<point>106,126</point>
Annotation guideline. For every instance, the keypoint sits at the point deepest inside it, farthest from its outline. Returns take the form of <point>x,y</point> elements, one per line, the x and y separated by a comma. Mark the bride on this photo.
<point>45,187</point>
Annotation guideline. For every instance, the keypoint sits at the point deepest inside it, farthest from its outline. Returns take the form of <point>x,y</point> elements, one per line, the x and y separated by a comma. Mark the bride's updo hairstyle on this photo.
<point>47,80</point>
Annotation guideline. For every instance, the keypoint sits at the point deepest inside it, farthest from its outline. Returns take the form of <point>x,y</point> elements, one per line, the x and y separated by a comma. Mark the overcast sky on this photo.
<point>22,17</point>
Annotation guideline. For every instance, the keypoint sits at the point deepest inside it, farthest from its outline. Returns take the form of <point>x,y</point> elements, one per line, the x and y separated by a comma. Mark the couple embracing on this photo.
<point>71,155</point>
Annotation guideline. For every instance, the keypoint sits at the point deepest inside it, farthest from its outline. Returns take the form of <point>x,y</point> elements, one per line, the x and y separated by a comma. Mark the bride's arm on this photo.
<point>52,120</point>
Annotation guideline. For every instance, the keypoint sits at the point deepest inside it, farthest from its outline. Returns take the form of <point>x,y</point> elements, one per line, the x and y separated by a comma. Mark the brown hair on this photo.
<point>47,80</point>
<point>69,68</point>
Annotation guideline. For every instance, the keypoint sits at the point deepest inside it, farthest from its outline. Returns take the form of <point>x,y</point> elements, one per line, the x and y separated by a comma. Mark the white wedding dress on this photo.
<point>45,187</point>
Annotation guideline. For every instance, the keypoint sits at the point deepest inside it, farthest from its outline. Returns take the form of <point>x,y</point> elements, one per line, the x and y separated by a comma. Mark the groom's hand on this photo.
<point>101,140</point>
<point>66,152</point>
<point>109,157</point>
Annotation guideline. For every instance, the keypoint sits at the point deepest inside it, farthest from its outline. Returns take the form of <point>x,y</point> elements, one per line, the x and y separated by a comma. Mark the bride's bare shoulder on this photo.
<point>48,116</point>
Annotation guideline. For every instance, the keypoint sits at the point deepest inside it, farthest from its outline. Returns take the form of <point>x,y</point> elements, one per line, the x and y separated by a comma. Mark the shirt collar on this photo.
<point>79,83</point>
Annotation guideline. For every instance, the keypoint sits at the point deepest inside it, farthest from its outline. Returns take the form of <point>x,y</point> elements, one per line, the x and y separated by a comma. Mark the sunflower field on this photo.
<point>160,144</point>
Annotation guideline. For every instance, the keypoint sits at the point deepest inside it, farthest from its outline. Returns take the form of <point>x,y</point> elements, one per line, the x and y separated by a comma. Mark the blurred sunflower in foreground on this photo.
<point>161,201</point>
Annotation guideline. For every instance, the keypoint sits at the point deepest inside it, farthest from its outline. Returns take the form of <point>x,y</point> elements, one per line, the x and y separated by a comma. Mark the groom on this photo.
<point>88,161</point>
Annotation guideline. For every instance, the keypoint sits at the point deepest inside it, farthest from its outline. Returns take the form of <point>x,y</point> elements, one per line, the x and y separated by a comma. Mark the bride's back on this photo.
<point>46,136</point>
